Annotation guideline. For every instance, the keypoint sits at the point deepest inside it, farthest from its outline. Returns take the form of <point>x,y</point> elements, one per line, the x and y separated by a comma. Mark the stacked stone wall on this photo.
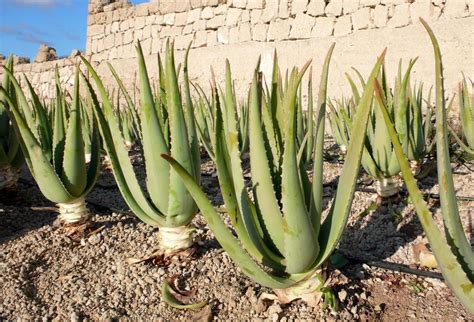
<point>243,30</point>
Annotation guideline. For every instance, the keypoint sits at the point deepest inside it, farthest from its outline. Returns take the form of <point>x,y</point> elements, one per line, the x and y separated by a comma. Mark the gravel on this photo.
<point>43,274</point>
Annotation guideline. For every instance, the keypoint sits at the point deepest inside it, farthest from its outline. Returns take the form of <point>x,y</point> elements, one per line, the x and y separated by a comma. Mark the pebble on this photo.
<point>342,295</point>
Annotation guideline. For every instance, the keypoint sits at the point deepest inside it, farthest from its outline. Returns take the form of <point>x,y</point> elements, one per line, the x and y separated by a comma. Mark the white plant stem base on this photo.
<point>8,177</point>
<point>74,212</point>
<point>415,167</point>
<point>309,290</point>
<point>343,149</point>
<point>175,239</point>
<point>387,187</point>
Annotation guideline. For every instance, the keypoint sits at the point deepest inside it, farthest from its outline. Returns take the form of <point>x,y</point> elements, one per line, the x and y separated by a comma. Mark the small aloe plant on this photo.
<point>454,254</point>
<point>340,113</point>
<point>415,130</point>
<point>466,113</point>
<point>281,240</point>
<point>167,127</point>
<point>11,157</point>
<point>206,110</point>
<point>55,152</point>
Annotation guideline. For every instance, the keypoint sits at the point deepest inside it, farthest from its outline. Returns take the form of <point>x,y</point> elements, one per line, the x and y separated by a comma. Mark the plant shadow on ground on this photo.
<point>23,209</point>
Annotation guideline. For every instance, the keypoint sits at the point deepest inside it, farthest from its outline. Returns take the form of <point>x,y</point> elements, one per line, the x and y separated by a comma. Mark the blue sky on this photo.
<point>25,24</point>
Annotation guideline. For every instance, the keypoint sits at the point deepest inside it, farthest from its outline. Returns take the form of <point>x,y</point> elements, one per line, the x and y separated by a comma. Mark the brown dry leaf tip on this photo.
<point>160,258</point>
<point>424,256</point>
<point>79,230</point>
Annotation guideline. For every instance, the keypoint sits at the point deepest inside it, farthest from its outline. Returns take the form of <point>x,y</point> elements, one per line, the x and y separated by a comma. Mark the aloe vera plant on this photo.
<point>55,152</point>
<point>281,238</point>
<point>414,128</point>
<point>11,157</point>
<point>466,113</point>
<point>453,254</point>
<point>340,115</point>
<point>206,110</point>
<point>166,127</point>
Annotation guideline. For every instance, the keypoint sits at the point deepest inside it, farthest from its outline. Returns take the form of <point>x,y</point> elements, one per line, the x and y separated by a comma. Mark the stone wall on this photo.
<point>243,30</point>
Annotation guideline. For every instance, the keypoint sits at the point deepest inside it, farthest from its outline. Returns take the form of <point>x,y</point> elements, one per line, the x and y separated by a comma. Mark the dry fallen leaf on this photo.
<point>178,298</point>
<point>160,258</point>
<point>424,256</point>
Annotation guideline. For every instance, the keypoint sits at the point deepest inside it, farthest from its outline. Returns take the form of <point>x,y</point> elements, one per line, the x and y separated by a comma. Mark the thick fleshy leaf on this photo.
<point>74,171</point>
<point>335,222</point>
<point>449,207</point>
<point>453,272</point>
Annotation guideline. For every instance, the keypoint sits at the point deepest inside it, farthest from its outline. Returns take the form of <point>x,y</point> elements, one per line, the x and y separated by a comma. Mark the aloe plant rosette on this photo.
<point>11,157</point>
<point>466,113</point>
<point>167,127</point>
<point>55,154</point>
<point>453,251</point>
<point>281,242</point>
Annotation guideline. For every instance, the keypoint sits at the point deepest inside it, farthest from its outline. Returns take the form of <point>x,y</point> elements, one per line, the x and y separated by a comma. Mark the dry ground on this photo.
<point>45,275</point>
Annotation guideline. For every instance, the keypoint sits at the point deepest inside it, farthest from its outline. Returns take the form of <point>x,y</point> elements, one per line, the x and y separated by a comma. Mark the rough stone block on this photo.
<point>146,46</point>
<point>187,29</point>
<point>270,11</point>
<point>182,5</point>
<point>283,11</point>
<point>182,42</point>
<point>216,22</point>
<point>255,4</point>
<point>221,9</point>
<point>239,3</point>
<point>301,26</point>
<point>245,17</point>
<point>343,26</point>
<point>118,40</point>
<point>223,35</point>
<point>421,9</point>
<point>361,18</point>
<point>124,25</point>
<point>334,8</point>
<point>141,10</point>
<point>278,30</point>
<point>256,16</point>
<point>244,32</point>
<point>233,16</point>
<point>316,8</point>
<point>181,19</point>
<point>169,19</point>
<point>195,4</point>
<point>298,6</point>
<point>95,30</point>
<point>127,37</point>
<point>368,3</point>
<point>207,13</point>
<point>147,32</point>
<point>380,16</point>
<point>395,2</point>
<point>199,25</point>
<point>456,9</point>
<point>401,16</point>
<point>350,6</point>
<point>324,27</point>
<point>155,45</point>
<point>200,39</point>
<point>109,41</point>
<point>212,38</point>
<point>233,35</point>
<point>194,15</point>
<point>259,32</point>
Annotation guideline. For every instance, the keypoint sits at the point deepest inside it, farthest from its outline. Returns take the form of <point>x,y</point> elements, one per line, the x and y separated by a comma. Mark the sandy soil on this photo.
<point>43,274</point>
